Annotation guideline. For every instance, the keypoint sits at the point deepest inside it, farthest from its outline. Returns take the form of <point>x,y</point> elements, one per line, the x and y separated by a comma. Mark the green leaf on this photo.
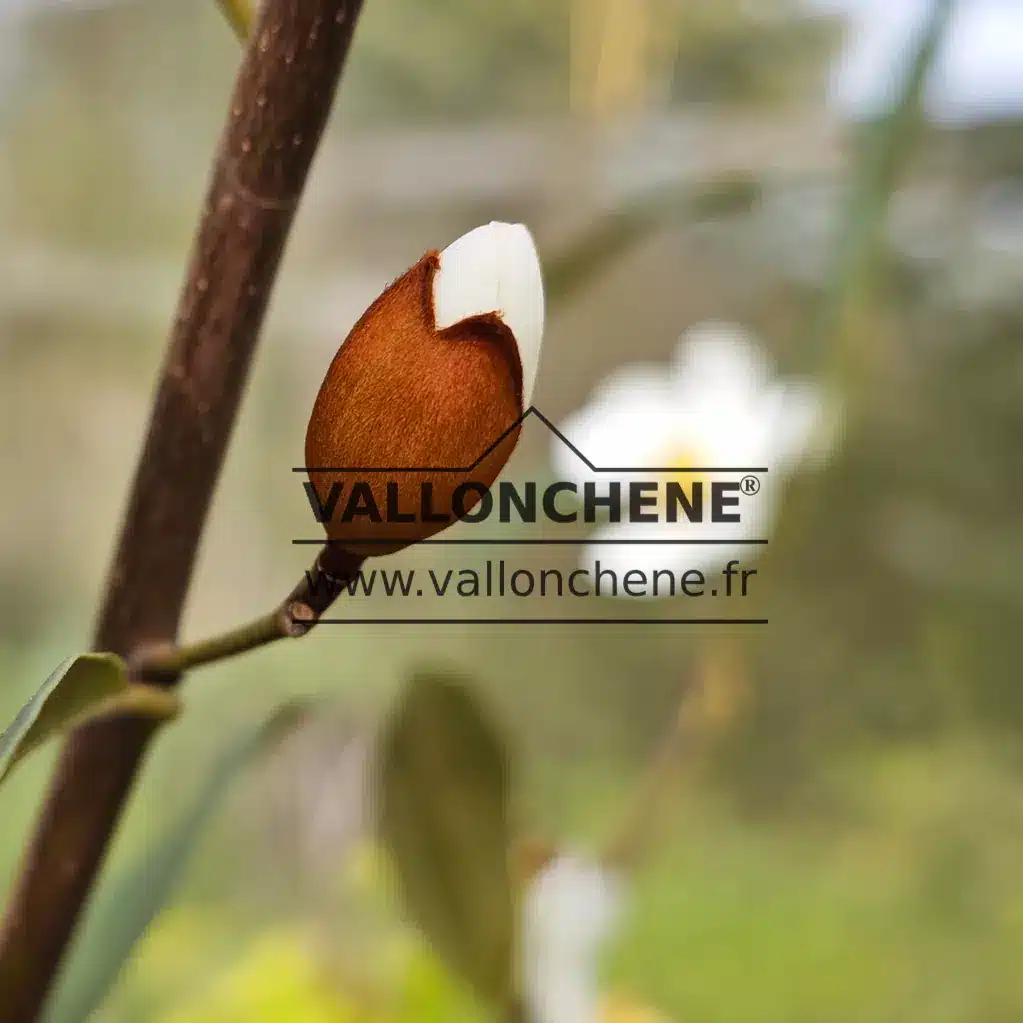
<point>81,689</point>
<point>241,15</point>
<point>443,802</point>
<point>124,908</point>
<point>886,154</point>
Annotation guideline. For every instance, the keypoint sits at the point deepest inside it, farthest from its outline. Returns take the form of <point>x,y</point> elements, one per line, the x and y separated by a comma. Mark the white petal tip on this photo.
<point>495,269</point>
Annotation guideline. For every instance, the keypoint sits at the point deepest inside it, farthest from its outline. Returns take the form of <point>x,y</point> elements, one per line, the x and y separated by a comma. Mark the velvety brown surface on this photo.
<point>400,394</point>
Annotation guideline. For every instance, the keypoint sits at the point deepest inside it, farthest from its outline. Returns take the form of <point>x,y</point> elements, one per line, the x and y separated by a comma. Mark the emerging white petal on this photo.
<point>495,269</point>
<point>570,910</point>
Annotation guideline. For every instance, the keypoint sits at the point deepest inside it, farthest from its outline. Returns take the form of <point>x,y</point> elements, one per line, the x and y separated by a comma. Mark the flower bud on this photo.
<point>420,408</point>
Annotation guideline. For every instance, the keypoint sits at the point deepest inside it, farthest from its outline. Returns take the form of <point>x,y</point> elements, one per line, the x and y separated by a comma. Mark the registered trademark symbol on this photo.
<point>749,484</point>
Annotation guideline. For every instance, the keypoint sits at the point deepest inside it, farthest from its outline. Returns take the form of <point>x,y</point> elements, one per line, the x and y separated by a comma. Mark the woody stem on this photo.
<point>333,569</point>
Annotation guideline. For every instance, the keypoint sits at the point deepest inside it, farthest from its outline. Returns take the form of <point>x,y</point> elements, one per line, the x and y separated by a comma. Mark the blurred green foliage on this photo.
<point>125,905</point>
<point>443,801</point>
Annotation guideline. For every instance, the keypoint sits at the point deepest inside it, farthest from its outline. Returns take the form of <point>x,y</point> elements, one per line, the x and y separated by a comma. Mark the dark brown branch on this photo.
<point>281,101</point>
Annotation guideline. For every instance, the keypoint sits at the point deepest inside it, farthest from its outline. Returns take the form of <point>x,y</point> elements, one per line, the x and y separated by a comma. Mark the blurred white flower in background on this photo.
<point>570,910</point>
<point>719,404</point>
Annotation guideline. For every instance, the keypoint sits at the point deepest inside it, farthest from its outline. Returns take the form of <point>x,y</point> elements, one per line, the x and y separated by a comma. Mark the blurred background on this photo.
<point>846,844</point>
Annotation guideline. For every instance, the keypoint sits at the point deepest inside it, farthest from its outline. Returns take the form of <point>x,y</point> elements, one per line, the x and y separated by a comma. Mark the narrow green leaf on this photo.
<point>443,799</point>
<point>124,908</point>
<point>147,701</point>
<point>889,146</point>
<point>241,15</point>
<point>82,688</point>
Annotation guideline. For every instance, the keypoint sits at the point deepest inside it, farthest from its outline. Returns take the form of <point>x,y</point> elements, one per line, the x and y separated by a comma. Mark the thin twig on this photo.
<point>703,710</point>
<point>635,832</point>
<point>292,619</point>
<point>282,97</point>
